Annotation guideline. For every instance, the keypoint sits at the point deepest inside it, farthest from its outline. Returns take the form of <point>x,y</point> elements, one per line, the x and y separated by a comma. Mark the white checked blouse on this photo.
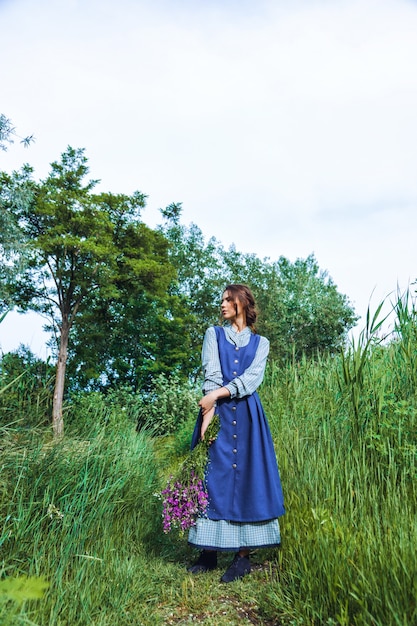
<point>240,386</point>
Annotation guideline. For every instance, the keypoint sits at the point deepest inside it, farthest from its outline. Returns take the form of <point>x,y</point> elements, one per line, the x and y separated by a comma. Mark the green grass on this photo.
<point>82,513</point>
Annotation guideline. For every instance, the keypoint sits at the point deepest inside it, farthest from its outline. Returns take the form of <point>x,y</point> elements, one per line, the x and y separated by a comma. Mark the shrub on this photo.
<point>169,405</point>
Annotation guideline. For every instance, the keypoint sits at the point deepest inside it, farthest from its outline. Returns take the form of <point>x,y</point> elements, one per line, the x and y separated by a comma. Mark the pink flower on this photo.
<point>185,497</point>
<point>182,503</point>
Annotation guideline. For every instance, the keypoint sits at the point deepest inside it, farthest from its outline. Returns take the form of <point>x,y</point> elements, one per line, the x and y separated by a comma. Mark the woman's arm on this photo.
<point>208,406</point>
<point>249,381</point>
<point>241,386</point>
<point>212,371</point>
<point>208,401</point>
<point>213,378</point>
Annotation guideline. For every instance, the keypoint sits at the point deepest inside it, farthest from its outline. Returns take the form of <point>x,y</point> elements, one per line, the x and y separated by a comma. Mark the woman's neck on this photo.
<point>239,325</point>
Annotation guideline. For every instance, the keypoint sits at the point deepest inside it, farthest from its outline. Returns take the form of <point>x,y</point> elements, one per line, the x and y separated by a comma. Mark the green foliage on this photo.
<point>354,362</point>
<point>8,133</point>
<point>90,412</point>
<point>168,405</point>
<point>349,471</point>
<point>302,313</point>
<point>128,341</point>
<point>15,591</point>
<point>82,512</point>
<point>26,388</point>
<point>87,254</point>
<point>71,240</point>
<point>200,277</point>
<point>406,332</point>
<point>393,439</point>
<point>22,588</point>
<point>119,295</point>
<point>16,195</point>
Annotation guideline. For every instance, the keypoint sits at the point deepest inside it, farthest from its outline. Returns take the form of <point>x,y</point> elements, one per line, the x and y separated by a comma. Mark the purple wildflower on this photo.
<point>182,503</point>
<point>185,497</point>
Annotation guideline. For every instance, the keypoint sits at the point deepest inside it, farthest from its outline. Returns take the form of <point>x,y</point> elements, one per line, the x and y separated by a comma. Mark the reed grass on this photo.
<point>79,513</point>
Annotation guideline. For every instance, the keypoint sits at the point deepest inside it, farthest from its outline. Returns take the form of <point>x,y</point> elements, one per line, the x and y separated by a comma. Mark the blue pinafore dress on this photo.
<point>242,479</point>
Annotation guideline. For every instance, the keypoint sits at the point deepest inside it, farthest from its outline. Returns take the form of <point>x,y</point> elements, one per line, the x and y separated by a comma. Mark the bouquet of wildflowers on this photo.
<point>185,497</point>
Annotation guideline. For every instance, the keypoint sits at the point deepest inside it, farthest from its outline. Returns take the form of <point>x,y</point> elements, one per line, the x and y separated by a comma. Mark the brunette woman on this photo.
<point>245,496</point>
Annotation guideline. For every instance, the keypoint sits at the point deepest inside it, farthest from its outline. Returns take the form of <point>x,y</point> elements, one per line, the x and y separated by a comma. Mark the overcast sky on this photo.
<point>284,127</point>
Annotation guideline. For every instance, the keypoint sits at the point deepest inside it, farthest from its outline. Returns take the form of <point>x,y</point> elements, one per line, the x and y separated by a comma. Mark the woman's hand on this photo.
<point>206,421</point>
<point>208,402</point>
<point>208,406</point>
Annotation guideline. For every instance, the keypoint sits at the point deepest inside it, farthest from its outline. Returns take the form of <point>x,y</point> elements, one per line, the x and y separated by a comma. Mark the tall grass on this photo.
<point>82,512</point>
<point>346,434</point>
<point>26,388</point>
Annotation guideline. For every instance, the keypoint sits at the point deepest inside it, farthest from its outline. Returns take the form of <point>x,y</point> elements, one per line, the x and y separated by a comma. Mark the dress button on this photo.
<point>233,408</point>
<point>234,465</point>
<point>234,450</point>
<point>234,423</point>
<point>234,373</point>
<point>235,436</point>
<point>236,361</point>
<point>237,348</point>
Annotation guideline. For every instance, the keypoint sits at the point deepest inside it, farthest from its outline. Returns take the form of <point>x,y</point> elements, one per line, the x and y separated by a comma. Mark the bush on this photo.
<point>89,412</point>
<point>169,405</point>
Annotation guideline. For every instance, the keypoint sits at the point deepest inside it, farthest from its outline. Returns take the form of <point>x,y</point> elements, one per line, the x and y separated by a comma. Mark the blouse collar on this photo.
<point>245,331</point>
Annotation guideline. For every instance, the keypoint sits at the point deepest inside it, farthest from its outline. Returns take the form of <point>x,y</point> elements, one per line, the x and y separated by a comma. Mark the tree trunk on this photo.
<point>57,419</point>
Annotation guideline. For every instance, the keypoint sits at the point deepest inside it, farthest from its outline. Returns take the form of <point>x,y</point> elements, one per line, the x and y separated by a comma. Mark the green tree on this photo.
<point>83,248</point>
<point>8,133</point>
<point>129,340</point>
<point>304,312</point>
<point>12,252</point>
<point>200,277</point>
<point>301,310</point>
<point>16,195</point>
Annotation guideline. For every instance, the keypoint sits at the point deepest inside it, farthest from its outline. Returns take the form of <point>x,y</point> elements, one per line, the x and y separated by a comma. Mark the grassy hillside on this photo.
<point>82,514</point>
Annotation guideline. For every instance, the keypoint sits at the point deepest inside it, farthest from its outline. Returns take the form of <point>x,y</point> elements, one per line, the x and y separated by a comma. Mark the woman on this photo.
<point>245,496</point>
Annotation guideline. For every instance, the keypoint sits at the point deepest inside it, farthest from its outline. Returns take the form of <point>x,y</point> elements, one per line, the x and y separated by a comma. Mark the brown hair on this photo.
<point>245,297</point>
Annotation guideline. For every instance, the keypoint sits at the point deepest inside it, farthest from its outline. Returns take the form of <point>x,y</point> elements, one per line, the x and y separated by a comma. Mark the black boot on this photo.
<point>205,562</point>
<point>239,567</point>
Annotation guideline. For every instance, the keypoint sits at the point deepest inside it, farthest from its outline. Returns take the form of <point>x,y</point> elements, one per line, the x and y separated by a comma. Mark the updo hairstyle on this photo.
<point>245,297</point>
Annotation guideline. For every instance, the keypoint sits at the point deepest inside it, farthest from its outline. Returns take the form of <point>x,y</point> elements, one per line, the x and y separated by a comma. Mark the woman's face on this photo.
<point>228,306</point>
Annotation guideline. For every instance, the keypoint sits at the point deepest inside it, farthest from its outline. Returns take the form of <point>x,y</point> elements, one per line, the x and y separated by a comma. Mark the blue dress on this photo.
<point>243,482</point>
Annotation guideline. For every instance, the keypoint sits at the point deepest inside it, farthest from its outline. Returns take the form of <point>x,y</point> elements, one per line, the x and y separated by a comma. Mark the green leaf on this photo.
<point>23,588</point>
